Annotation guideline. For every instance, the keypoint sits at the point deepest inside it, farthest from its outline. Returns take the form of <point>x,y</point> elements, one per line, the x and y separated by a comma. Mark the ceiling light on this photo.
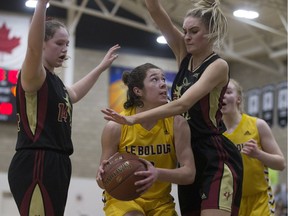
<point>246,14</point>
<point>32,3</point>
<point>161,40</point>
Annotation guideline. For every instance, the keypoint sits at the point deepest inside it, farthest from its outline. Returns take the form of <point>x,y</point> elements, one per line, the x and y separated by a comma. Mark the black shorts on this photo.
<point>39,181</point>
<point>218,181</point>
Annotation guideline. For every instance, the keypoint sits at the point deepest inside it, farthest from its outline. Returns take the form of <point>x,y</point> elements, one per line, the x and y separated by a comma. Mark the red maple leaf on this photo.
<point>7,44</point>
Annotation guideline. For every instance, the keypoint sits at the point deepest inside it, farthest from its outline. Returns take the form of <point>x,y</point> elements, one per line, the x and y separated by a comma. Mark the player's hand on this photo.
<point>151,175</point>
<point>112,115</point>
<point>101,170</point>
<point>251,149</point>
<point>110,56</point>
<point>102,166</point>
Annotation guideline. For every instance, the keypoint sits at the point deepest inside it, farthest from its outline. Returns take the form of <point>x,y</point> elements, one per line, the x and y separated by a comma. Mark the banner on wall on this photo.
<point>268,104</point>
<point>13,37</point>
<point>282,104</point>
<point>13,43</point>
<point>253,102</point>
<point>117,89</point>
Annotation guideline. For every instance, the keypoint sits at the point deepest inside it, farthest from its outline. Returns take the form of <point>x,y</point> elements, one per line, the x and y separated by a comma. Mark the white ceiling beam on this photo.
<point>229,55</point>
<point>283,20</point>
<point>136,9</point>
<point>110,17</point>
<point>116,7</point>
<point>102,6</point>
<point>280,54</point>
<point>264,45</point>
<point>258,25</point>
<point>73,23</point>
<point>256,50</point>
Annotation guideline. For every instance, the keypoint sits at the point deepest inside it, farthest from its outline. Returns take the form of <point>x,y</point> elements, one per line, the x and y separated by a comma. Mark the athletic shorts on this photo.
<point>218,181</point>
<point>259,204</point>
<point>39,181</point>
<point>152,207</point>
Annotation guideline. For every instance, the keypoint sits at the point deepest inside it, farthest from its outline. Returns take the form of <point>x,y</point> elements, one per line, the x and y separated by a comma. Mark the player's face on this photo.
<point>195,35</point>
<point>154,92</point>
<point>55,49</point>
<point>231,100</point>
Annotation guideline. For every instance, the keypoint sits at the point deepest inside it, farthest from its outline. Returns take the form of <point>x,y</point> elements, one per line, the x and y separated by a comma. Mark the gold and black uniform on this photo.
<point>218,180</point>
<point>40,170</point>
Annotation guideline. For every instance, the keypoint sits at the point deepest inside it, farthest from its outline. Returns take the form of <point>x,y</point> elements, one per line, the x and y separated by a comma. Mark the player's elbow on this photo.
<point>192,176</point>
<point>282,164</point>
<point>189,178</point>
<point>279,165</point>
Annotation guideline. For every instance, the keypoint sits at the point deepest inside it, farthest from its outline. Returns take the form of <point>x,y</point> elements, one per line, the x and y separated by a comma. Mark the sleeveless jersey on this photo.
<point>155,145</point>
<point>44,117</point>
<point>217,160</point>
<point>204,117</point>
<point>255,179</point>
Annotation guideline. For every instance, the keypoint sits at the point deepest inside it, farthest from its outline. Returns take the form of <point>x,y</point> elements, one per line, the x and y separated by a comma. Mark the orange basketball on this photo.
<point>118,177</point>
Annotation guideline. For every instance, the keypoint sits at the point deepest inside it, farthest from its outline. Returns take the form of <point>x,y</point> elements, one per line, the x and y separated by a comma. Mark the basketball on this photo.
<point>118,177</point>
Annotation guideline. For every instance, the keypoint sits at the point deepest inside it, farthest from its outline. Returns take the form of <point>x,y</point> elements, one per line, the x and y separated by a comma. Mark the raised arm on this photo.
<point>185,174</point>
<point>32,71</point>
<point>173,36</point>
<point>78,90</point>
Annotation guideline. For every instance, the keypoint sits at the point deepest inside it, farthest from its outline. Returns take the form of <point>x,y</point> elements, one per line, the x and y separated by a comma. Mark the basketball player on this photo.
<point>197,94</point>
<point>40,171</point>
<point>259,150</point>
<point>161,143</point>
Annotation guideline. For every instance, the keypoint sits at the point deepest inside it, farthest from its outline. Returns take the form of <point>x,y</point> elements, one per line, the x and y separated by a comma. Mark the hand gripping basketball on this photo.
<point>118,177</point>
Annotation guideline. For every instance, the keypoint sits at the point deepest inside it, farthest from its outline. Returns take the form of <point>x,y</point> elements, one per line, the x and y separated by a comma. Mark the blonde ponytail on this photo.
<point>212,16</point>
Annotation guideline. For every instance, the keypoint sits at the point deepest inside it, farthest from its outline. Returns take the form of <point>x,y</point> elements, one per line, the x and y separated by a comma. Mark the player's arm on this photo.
<point>172,35</point>
<point>271,155</point>
<point>215,76</point>
<point>79,89</point>
<point>185,174</point>
<point>32,72</point>
<point>109,142</point>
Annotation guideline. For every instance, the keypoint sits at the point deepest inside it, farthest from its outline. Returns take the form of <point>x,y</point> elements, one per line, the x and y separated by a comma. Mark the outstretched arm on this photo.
<point>32,71</point>
<point>215,76</point>
<point>78,90</point>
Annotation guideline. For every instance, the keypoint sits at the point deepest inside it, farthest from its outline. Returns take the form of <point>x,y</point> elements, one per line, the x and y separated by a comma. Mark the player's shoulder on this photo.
<point>262,124</point>
<point>221,63</point>
<point>113,126</point>
<point>179,121</point>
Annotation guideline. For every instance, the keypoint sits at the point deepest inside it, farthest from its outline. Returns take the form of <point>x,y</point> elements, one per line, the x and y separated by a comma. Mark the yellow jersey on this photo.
<point>155,145</point>
<point>255,173</point>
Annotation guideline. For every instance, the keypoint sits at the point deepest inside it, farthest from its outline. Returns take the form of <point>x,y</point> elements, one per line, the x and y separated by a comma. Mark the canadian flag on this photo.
<point>13,40</point>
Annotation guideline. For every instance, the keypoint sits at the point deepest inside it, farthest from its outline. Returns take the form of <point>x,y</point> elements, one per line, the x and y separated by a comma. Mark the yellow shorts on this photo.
<point>152,207</point>
<point>260,204</point>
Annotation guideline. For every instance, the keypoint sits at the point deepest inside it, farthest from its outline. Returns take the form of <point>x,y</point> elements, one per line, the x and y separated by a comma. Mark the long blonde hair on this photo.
<point>212,16</point>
